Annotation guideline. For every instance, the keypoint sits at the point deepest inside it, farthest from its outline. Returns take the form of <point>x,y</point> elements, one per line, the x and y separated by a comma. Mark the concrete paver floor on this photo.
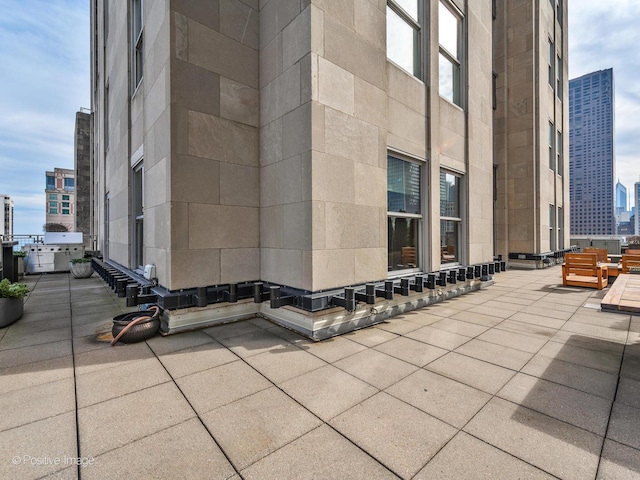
<point>524,379</point>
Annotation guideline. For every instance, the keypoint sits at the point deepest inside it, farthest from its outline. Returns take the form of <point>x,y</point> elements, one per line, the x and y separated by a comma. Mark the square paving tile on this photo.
<point>218,386</point>
<point>471,316</point>
<point>497,354</point>
<point>397,326</point>
<point>320,454</point>
<point>36,373</point>
<point>333,349</point>
<point>36,403</point>
<point>412,351</point>
<point>399,435</point>
<point>112,424</point>
<point>471,371</point>
<point>370,337</point>
<point>438,338</point>
<point>185,450</point>
<point>629,392</point>
<point>254,343</point>
<point>535,319</point>
<point>282,364</point>
<point>256,426</point>
<point>619,462</point>
<point>612,334</point>
<point>38,338</point>
<point>466,457</point>
<point>376,368</point>
<point>556,447</point>
<point>232,329</point>
<point>519,341</point>
<point>117,381</point>
<point>567,404</point>
<point>588,357</point>
<point>196,359</point>
<point>624,425</point>
<point>573,375</point>
<point>94,360</point>
<point>51,440</point>
<point>441,397</point>
<point>328,391</point>
<point>459,326</point>
<point>179,341</point>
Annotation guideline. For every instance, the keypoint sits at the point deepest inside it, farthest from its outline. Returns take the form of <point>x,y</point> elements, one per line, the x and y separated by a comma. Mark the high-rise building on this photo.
<point>591,153</point>
<point>60,193</point>
<point>83,177</point>
<point>621,198</point>
<point>316,145</point>
<point>636,199</point>
<point>531,124</point>
<point>6,228</point>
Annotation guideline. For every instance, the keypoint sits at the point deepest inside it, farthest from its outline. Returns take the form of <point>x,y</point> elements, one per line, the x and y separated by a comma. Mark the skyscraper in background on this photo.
<point>591,154</point>
<point>6,226</point>
<point>636,197</point>
<point>621,198</point>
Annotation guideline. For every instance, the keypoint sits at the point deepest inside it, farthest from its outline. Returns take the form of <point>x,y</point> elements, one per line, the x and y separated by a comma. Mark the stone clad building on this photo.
<point>311,145</point>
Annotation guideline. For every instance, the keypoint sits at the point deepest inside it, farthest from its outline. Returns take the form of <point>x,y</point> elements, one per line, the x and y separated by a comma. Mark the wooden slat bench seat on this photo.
<point>583,270</point>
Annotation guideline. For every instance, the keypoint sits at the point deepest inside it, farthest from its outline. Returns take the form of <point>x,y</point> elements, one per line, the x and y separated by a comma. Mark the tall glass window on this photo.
<point>449,62</point>
<point>559,77</point>
<point>552,227</point>
<point>450,218</point>
<point>69,184</point>
<point>552,142</point>
<point>560,159</point>
<point>137,196</point>
<point>552,61</point>
<point>404,213</point>
<point>51,182</point>
<point>560,228</point>
<point>403,35</point>
<point>136,41</point>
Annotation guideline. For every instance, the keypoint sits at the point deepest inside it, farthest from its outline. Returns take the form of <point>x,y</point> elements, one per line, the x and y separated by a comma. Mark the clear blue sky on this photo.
<point>44,80</point>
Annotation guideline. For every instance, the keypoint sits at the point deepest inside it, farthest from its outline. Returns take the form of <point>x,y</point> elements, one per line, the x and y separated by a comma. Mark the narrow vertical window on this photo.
<point>137,196</point>
<point>560,158</point>
<point>559,77</point>
<point>106,118</point>
<point>450,218</point>
<point>450,57</point>
<point>403,35</point>
<point>552,227</point>
<point>404,213</point>
<point>552,142</point>
<point>552,61</point>
<point>136,40</point>
<point>560,228</point>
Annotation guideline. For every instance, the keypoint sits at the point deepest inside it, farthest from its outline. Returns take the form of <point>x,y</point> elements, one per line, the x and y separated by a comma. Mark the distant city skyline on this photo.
<point>44,50</point>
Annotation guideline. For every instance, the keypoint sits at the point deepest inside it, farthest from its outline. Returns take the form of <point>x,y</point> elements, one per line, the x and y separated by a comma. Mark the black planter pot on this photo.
<point>142,330</point>
<point>11,310</point>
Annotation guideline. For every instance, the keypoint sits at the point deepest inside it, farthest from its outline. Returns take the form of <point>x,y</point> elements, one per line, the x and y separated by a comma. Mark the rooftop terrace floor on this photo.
<point>524,379</point>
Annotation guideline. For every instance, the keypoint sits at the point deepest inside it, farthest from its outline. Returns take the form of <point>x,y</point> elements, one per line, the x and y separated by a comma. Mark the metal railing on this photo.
<point>89,241</point>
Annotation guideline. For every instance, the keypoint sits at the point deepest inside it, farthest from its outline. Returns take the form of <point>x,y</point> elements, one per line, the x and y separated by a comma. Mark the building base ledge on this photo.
<point>316,326</point>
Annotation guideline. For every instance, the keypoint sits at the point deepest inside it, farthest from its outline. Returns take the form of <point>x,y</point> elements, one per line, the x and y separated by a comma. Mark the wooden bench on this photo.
<point>601,253</point>
<point>583,270</point>
<point>629,261</point>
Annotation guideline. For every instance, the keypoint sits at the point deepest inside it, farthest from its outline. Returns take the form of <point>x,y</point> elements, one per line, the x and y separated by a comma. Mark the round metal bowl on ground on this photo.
<point>142,330</point>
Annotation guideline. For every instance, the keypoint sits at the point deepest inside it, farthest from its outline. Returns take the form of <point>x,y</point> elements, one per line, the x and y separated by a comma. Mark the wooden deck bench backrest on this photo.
<point>583,270</point>
<point>601,253</point>
<point>629,261</point>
